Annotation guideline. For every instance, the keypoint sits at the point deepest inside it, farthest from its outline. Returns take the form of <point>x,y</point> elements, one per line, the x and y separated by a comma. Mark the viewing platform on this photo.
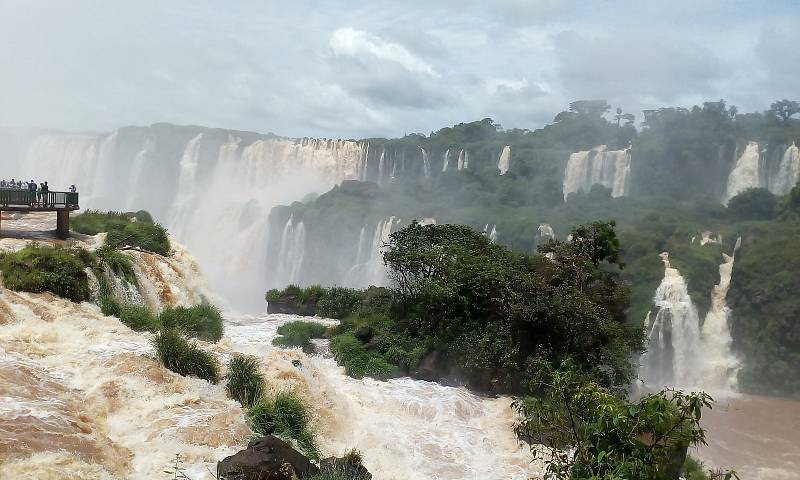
<point>23,200</point>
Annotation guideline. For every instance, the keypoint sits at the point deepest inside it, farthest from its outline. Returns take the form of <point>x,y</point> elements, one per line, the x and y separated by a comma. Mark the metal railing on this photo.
<point>11,197</point>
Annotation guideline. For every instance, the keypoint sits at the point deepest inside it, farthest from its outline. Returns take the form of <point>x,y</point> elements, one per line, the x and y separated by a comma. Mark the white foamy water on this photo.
<point>406,429</point>
<point>609,168</point>
<point>682,352</point>
<point>746,172</point>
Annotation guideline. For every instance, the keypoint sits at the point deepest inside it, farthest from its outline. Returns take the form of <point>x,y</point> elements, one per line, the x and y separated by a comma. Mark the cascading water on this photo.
<point>546,233</point>
<point>491,233</point>
<point>681,353</point>
<point>788,171</point>
<point>504,160</point>
<point>720,365</point>
<point>291,253</point>
<point>746,173</point>
<point>217,190</point>
<point>426,164</point>
<point>445,160</point>
<point>381,166</point>
<point>369,268</point>
<point>674,334</point>
<point>609,168</point>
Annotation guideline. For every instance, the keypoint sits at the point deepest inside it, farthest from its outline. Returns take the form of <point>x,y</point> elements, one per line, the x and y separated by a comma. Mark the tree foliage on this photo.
<point>592,434</point>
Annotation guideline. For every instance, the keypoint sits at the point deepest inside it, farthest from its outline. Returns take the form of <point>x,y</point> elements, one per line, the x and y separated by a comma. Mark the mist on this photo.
<point>284,143</point>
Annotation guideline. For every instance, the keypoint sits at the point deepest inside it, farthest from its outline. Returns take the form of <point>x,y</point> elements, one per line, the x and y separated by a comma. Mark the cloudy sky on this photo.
<point>382,68</point>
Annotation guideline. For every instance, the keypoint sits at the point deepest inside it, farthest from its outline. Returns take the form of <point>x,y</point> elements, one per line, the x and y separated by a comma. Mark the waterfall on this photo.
<point>673,336</point>
<point>682,354</point>
<point>746,173</point>
<point>291,253</point>
<point>446,160</point>
<point>788,172</point>
<point>426,165</point>
<point>546,233</point>
<point>609,168</point>
<point>721,366</point>
<point>461,160</point>
<point>504,160</point>
<point>368,268</point>
<point>491,234</point>
<point>381,165</point>
<point>216,188</point>
<point>466,160</point>
<point>376,270</point>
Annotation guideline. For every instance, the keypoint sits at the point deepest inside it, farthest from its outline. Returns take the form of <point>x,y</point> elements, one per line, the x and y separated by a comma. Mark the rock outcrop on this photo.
<point>266,458</point>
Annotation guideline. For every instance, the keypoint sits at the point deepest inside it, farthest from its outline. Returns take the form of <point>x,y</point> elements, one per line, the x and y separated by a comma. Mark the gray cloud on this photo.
<point>381,67</point>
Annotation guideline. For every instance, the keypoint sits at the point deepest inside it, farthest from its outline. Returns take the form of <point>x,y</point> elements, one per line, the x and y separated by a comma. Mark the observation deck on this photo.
<point>23,200</point>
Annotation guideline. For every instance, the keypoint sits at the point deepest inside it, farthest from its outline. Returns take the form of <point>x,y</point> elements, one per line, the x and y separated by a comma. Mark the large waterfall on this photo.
<point>609,168</point>
<point>504,160</point>
<point>368,268</point>
<point>681,352</point>
<point>788,171</point>
<point>754,168</point>
<point>212,188</point>
<point>426,164</point>
<point>746,173</point>
<point>90,400</point>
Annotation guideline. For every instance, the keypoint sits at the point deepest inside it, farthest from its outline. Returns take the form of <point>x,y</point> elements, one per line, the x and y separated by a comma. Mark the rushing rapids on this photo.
<point>83,396</point>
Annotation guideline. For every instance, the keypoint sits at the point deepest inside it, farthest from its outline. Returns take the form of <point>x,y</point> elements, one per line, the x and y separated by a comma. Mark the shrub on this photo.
<point>357,361</point>
<point>184,357</point>
<point>46,269</point>
<point>299,334</point>
<point>137,318</point>
<point>122,229</point>
<point>753,203</point>
<point>245,382</point>
<point>92,222</point>
<point>203,321</point>
<point>354,457</point>
<point>150,237</point>
<point>338,302</point>
<point>285,416</point>
<point>273,295</point>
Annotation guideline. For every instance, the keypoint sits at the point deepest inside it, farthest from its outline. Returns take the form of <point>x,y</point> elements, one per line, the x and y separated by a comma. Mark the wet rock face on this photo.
<point>293,306</point>
<point>266,458</point>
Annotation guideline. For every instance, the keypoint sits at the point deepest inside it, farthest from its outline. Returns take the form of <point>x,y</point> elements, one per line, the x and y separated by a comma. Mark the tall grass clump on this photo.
<point>39,269</point>
<point>299,334</point>
<point>285,416</point>
<point>245,383</point>
<point>138,318</point>
<point>184,357</point>
<point>203,321</point>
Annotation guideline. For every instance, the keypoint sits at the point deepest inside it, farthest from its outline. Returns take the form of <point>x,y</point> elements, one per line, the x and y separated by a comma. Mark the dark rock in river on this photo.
<point>294,306</point>
<point>266,458</point>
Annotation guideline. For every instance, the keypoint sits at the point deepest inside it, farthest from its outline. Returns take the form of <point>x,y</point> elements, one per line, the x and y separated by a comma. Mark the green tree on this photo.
<point>593,434</point>
<point>784,109</point>
<point>753,203</point>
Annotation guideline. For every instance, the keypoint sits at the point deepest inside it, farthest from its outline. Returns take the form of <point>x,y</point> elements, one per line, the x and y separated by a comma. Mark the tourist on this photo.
<point>45,191</point>
<point>32,192</point>
<point>3,183</point>
<point>40,194</point>
<point>72,188</point>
